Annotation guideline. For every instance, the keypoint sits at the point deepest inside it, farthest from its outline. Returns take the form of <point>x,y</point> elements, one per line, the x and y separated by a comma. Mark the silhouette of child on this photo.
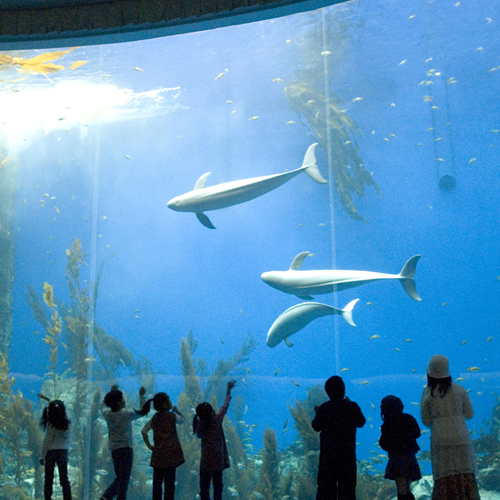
<point>55,446</point>
<point>400,432</point>
<point>207,425</point>
<point>119,422</point>
<point>167,452</point>
<point>337,421</point>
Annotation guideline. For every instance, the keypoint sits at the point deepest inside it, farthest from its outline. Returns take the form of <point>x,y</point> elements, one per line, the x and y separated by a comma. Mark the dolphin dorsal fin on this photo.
<point>200,183</point>
<point>287,342</point>
<point>297,262</point>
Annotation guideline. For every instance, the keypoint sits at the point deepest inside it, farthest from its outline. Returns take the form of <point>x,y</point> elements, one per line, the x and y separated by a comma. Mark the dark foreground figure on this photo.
<point>337,421</point>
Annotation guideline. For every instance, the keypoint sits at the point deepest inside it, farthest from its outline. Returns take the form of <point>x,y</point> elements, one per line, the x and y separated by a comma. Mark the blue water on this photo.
<point>113,172</point>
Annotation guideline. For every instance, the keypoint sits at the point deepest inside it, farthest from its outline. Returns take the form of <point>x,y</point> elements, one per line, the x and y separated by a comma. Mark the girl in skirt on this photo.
<point>400,432</point>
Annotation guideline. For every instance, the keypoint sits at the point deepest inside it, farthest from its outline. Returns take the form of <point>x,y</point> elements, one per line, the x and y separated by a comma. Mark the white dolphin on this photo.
<point>305,284</point>
<point>203,199</point>
<point>297,317</point>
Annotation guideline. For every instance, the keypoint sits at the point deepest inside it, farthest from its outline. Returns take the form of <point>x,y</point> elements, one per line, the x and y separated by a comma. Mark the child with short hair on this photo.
<point>55,446</point>
<point>119,422</point>
<point>167,452</point>
<point>400,432</point>
<point>337,421</point>
<point>207,425</point>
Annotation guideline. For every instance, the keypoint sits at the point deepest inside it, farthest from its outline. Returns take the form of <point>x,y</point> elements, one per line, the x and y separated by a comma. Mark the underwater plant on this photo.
<point>19,437</point>
<point>336,133</point>
<point>53,335</point>
<point>270,473</point>
<point>39,64</point>
<point>308,94</point>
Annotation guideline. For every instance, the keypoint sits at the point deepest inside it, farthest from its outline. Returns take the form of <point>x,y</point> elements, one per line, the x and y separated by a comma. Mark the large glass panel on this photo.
<point>118,281</point>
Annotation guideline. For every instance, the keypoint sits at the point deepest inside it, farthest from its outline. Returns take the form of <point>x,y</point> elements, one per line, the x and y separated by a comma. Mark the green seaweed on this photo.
<point>322,49</point>
<point>269,472</point>
<point>16,430</point>
<point>53,331</point>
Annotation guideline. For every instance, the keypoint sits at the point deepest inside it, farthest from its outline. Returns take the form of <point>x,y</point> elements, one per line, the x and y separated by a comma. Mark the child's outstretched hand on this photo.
<point>230,385</point>
<point>142,392</point>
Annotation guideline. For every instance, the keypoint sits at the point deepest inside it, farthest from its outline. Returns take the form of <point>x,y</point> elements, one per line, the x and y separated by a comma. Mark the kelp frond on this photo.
<point>15,415</point>
<point>216,381</point>
<point>39,64</point>
<point>336,133</point>
<point>53,334</point>
<point>191,380</point>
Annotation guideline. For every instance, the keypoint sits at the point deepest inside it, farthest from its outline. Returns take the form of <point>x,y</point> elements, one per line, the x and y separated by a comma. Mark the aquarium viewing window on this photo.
<point>275,197</point>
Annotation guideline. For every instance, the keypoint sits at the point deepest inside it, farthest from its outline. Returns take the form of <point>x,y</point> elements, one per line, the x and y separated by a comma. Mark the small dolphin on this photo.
<point>297,317</point>
<point>202,199</point>
<point>304,284</point>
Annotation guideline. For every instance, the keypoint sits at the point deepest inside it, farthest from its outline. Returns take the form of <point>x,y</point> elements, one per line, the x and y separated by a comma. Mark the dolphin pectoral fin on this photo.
<point>305,297</point>
<point>287,342</point>
<point>200,183</point>
<point>298,260</point>
<point>205,220</point>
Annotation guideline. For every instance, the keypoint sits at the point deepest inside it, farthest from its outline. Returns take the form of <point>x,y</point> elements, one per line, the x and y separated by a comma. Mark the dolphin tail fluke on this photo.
<point>407,280</point>
<point>347,312</point>
<point>309,164</point>
<point>205,220</point>
<point>411,289</point>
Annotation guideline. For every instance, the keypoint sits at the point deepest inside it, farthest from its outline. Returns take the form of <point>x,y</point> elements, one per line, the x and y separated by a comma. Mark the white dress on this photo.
<point>452,450</point>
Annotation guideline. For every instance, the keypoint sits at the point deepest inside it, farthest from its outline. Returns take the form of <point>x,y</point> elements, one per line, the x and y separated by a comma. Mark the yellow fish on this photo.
<point>291,122</point>
<point>407,340</point>
<point>357,99</point>
<point>374,337</point>
<point>460,379</point>
<point>219,76</point>
<point>473,369</point>
<point>402,62</point>
<point>365,382</point>
<point>277,80</point>
<point>138,69</point>
<point>489,339</point>
<point>296,384</point>
<point>277,371</point>
<point>254,118</point>
<point>463,342</point>
<point>344,370</point>
<point>472,160</point>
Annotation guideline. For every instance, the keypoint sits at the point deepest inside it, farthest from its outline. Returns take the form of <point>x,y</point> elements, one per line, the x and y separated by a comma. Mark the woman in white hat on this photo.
<point>444,408</point>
